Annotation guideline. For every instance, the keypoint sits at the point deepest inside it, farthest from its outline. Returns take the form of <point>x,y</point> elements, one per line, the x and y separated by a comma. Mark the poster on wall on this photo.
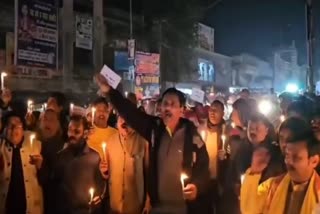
<point>147,63</point>
<point>36,38</point>
<point>83,25</point>
<point>146,86</point>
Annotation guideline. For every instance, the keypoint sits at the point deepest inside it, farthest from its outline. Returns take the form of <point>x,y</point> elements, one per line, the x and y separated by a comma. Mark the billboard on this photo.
<point>36,38</point>
<point>206,37</point>
<point>83,26</point>
<point>205,70</point>
<point>147,63</point>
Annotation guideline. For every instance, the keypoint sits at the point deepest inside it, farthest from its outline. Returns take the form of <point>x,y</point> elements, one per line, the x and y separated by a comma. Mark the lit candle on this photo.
<point>233,125</point>
<point>183,177</point>
<point>3,75</point>
<point>93,113</point>
<point>104,147</point>
<point>32,137</point>
<point>126,94</point>
<point>242,178</point>
<point>223,138</point>
<point>203,135</point>
<point>282,118</point>
<point>30,103</point>
<point>71,108</point>
<point>91,193</point>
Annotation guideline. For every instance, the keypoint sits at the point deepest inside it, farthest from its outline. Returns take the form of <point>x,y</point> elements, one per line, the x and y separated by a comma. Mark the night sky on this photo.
<point>256,27</point>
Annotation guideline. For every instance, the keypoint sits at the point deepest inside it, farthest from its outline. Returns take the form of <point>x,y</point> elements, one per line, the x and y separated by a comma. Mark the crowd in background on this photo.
<point>160,156</point>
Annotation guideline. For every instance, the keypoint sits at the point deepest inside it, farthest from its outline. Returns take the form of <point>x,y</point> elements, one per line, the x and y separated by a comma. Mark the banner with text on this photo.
<point>36,38</point>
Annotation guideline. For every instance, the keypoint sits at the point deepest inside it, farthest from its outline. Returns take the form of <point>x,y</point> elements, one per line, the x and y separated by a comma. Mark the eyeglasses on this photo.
<point>12,127</point>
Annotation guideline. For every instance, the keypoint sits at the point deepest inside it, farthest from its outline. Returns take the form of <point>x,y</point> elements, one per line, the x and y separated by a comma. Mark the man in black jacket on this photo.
<point>76,170</point>
<point>176,148</point>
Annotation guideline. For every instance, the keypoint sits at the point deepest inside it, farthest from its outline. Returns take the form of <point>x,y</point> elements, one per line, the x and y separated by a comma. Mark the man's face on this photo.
<point>216,114</point>
<point>284,135</point>
<point>49,124</point>
<point>53,104</point>
<point>102,115</point>
<point>244,95</point>
<point>123,127</point>
<point>76,132</point>
<point>14,130</point>
<point>171,109</point>
<point>235,117</point>
<point>299,165</point>
<point>257,132</point>
<point>315,123</point>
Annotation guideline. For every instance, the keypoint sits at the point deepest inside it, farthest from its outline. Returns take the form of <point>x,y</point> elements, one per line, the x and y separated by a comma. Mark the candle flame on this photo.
<point>223,137</point>
<point>91,191</point>
<point>233,125</point>
<point>282,118</point>
<point>32,137</point>
<point>104,146</point>
<point>4,74</point>
<point>183,176</point>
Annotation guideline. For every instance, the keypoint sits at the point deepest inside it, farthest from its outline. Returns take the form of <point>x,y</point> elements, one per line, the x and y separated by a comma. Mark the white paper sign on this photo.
<point>112,78</point>
<point>197,95</point>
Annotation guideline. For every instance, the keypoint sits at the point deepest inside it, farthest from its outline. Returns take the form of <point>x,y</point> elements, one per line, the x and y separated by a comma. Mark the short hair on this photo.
<point>100,100</point>
<point>245,90</point>
<point>296,125</point>
<point>80,119</point>
<point>6,117</point>
<point>218,103</point>
<point>300,108</point>
<point>60,98</point>
<point>307,136</point>
<point>181,96</point>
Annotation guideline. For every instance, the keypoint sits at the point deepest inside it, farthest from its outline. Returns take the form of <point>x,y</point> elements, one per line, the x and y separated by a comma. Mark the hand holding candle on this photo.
<point>91,193</point>
<point>183,177</point>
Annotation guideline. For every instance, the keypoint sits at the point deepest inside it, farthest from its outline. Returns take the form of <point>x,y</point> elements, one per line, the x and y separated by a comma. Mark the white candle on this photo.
<point>71,108</point>
<point>203,135</point>
<point>242,178</point>
<point>3,75</point>
<point>104,148</point>
<point>30,103</point>
<point>223,138</point>
<point>91,193</point>
<point>32,137</point>
<point>93,113</point>
<point>233,125</point>
<point>183,177</point>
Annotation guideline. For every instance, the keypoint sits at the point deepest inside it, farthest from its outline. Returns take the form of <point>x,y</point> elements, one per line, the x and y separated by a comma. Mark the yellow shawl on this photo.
<point>249,200</point>
<point>277,195</point>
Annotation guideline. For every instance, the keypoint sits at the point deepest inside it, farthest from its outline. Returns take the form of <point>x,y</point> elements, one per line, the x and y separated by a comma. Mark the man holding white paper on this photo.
<point>176,148</point>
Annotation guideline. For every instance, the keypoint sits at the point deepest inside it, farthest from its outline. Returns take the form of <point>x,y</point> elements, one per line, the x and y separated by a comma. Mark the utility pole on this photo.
<point>310,45</point>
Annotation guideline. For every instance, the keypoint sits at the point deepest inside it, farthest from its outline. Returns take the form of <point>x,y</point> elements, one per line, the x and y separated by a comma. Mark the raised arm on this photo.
<point>139,121</point>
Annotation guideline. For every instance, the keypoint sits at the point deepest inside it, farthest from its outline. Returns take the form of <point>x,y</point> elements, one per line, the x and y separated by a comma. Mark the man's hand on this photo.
<point>102,83</point>
<point>104,167</point>
<point>260,160</point>
<point>36,160</point>
<point>190,192</point>
<point>6,96</point>
<point>147,206</point>
<point>222,154</point>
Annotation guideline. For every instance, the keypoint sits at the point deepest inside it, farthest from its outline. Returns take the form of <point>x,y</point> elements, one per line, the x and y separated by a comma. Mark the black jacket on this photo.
<point>152,129</point>
<point>75,172</point>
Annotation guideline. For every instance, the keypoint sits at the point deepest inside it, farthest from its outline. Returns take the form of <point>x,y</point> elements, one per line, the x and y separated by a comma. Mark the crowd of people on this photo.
<point>125,159</point>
